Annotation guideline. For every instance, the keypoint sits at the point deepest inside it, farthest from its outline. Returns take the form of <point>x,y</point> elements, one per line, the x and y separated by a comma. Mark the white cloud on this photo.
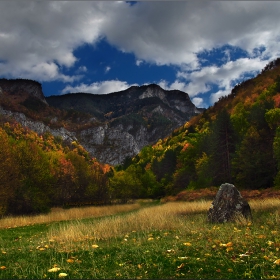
<point>174,32</point>
<point>198,102</point>
<point>42,35</point>
<point>107,69</point>
<point>103,87</point>
<point>200,81</point>
<point>139,62</point>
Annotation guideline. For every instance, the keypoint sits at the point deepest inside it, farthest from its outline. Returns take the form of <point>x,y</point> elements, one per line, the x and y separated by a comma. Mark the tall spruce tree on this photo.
<point>222,148</point>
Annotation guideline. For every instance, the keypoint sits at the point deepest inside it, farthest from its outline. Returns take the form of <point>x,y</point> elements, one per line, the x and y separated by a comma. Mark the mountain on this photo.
<point>111,127</point>
<point>126,121</point>
<point>237,140</point>
<point>22,89</point>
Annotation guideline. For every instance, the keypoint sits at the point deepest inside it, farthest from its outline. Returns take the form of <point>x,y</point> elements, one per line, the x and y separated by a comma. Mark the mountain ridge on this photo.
<point>111,127</point>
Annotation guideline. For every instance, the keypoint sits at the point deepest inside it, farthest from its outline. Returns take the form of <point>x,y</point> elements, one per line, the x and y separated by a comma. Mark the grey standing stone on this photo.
<point>227,205</point>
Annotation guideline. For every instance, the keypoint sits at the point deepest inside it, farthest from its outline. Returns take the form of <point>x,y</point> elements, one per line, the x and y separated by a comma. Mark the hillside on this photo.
<point>237,140</point>
<point>40,172</point>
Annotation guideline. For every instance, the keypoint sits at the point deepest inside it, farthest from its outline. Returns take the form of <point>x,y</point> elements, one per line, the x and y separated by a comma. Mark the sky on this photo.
<point>203,48</point>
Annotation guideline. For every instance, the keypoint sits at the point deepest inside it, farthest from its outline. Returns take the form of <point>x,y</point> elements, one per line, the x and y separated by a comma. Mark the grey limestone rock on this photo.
<point>228,205</point>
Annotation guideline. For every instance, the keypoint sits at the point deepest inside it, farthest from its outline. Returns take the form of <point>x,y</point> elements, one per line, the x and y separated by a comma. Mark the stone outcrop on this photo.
<point>113,144</point>
<point>39,127</point>
<point>228,205</point>
<point>22,86</point>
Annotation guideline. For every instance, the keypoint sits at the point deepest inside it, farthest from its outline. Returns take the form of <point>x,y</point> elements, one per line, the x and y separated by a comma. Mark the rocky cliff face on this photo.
<point>22,87</point>
<point>115,126</point>
<point>39,127</point>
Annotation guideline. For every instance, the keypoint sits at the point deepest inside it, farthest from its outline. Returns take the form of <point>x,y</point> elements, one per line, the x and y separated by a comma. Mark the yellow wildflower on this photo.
<point>54,269</point>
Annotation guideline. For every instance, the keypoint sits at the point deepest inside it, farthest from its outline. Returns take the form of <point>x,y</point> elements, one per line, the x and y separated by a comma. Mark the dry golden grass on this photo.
<point>165,216</point>
<point>168,216</point>
<point>60,214</point>
<point>262,204</point>
<point>162,217</point>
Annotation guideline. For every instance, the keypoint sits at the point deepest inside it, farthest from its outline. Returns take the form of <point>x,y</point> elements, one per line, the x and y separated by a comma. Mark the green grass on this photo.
<point>185,246</point>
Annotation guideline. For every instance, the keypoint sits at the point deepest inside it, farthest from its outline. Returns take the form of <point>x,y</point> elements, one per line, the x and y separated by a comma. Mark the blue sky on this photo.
<point>201,47</point>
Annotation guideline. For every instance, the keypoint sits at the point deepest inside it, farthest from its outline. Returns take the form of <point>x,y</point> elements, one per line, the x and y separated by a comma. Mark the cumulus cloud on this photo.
<point>38,38</point>
<point>173,33</point>
<point>200,81</point>
<point>98,87</point>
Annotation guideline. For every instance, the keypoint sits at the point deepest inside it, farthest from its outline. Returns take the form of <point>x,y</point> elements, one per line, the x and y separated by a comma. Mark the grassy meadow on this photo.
<point>141,240</point>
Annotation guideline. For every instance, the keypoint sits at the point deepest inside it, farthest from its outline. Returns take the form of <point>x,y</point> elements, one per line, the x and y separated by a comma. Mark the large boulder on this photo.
<point>228,205</point>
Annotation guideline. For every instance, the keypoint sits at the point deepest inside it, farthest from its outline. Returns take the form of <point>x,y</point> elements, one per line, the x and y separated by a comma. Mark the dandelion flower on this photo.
<point>62,275</point>
<point>187,244</point>
<point>150,238</point>
<point>70,260</point>
<point>269,243</point>
<point>2,267</point>
<point>54,269</point>
<point>277,262</point>
<point>94,246</point>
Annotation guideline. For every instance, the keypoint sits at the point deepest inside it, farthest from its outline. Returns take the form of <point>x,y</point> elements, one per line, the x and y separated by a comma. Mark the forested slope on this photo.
<point>237,140</point>
<point>38,172</point>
